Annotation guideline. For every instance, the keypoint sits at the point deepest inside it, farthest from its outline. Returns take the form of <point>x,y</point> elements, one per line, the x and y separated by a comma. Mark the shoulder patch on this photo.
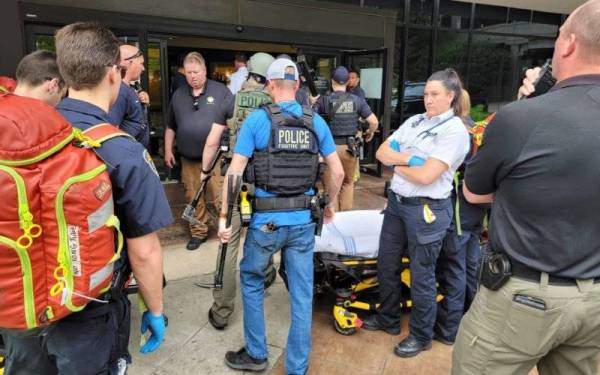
<point>148,160</point>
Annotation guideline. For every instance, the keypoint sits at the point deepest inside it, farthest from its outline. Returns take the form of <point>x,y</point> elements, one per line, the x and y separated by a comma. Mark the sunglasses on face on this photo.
<point>122,70</point>
<point>138,54</point>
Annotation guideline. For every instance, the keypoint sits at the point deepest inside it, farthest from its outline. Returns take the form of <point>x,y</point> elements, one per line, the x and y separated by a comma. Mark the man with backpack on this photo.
<point>38,77</point>
<point>72,246</point>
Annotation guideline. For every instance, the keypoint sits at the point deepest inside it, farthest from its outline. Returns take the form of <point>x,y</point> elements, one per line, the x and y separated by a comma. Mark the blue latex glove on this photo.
<point>394,145</point>
<point>416,161</point>
<point>156,324</point>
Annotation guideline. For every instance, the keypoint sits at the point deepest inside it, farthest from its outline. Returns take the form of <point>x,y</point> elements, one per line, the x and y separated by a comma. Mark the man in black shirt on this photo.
<point>194,109</point>
<point>539,163</point>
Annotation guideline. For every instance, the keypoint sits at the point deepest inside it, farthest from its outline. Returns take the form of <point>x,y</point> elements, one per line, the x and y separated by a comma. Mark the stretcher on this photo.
<point>346,263</point>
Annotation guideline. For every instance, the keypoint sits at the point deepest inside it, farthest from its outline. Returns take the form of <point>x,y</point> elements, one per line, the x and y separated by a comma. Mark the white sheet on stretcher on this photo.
<point>352,233</point>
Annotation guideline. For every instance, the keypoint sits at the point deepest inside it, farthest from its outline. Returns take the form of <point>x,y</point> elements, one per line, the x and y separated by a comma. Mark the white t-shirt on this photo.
<point>237,80</point>
<point>443,137</point>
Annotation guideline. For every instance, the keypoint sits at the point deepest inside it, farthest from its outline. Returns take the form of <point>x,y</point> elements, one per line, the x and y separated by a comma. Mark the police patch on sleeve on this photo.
<point>148,160</point>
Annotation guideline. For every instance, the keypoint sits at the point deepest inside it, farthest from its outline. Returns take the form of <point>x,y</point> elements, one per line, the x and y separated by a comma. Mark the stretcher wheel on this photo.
<point>343,331</point>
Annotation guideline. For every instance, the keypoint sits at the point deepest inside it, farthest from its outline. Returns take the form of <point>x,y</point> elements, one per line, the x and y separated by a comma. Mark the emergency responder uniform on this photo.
<point>294,137</point>
<point>457,265</point>
<point>85,342</point>
<point>248,99</point>
<point>416,219</point>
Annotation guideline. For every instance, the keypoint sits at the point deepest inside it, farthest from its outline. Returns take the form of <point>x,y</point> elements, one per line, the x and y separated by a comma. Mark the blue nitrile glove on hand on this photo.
<point>416,161</point>
<point>157,327</point>
<point>394,145</point>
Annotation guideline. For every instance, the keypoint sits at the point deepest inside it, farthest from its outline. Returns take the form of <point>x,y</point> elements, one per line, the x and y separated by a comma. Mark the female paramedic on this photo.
<point>425,152</point>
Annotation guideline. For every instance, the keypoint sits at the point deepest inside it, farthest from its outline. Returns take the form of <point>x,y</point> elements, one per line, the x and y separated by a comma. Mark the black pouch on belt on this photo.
<point>494,269</point>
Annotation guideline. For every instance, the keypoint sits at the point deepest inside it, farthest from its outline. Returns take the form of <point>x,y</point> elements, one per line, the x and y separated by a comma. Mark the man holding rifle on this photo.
<point>294,137</point>
<point>252,95</point>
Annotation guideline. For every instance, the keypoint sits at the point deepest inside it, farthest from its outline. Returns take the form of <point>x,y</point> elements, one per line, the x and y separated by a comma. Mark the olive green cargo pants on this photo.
<point>499,336</point>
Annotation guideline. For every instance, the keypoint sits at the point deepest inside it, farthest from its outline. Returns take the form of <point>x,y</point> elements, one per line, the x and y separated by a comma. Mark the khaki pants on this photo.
<point>190,175</point>
<point>349,163</point>
<point>499,336</point>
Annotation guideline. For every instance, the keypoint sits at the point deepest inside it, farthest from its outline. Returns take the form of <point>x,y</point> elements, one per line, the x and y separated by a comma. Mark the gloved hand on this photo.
<point>416,161</point>
<point>394,145</point>
<point>157,327</point>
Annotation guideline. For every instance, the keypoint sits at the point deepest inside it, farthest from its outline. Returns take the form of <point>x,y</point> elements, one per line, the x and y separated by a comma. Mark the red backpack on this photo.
<point>59,236</point>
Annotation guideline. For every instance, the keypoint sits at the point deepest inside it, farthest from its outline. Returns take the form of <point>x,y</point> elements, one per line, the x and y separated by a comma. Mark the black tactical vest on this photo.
<point>342,113</point>
<point>289,165</point>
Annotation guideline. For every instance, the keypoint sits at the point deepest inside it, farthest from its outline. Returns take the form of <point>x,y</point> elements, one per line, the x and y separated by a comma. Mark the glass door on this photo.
<point>372,68</point>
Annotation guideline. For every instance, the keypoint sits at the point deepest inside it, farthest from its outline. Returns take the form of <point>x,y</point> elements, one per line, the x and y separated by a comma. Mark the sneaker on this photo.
<point>241,360</point>
<point>195,243</point>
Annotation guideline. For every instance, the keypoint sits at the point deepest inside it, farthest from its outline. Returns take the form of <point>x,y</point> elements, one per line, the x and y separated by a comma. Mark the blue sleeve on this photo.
<point>364,110</point>
<point>140,201</point>
<point>326,143</point>
<point>246,144</point>
<point>118,110</point>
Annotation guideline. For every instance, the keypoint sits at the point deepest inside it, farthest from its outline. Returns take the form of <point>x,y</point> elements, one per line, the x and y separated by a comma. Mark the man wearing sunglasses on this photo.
<point>128,111</point>
<point>194,109</point>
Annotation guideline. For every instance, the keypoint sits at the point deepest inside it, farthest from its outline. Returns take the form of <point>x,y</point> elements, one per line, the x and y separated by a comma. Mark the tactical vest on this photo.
<point>247,100</point>
<point>342,113</point>
<point>289,165</point>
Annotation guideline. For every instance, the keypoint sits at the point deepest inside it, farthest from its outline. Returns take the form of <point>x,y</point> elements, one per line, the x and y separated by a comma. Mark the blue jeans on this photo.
<point>298,242</point>
<point>458,279</point>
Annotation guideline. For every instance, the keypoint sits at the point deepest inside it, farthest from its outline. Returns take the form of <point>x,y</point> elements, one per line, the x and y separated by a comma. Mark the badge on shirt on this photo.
<point>210,100</point>
<point>150,163</point>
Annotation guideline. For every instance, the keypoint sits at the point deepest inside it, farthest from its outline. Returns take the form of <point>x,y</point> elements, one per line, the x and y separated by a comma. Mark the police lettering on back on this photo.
<point>293,139</point>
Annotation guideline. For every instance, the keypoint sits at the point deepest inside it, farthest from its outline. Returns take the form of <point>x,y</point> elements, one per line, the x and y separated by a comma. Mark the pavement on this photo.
<point>192,346</point>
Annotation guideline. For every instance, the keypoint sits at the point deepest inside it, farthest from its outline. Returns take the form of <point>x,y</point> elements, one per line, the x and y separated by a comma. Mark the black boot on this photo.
<point>372,324</point>
<point>410,347</point>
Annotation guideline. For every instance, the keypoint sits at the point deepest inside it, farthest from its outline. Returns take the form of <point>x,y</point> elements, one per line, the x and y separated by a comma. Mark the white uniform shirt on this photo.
<point>237,80</point>
<point>443,137</point>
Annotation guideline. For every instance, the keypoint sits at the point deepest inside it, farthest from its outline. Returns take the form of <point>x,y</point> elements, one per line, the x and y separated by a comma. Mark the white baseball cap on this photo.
<point>280,69</point>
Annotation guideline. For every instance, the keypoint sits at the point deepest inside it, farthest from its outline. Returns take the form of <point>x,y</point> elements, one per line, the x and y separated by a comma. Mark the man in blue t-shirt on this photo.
<point>128,112</point>
<point>289,228</point>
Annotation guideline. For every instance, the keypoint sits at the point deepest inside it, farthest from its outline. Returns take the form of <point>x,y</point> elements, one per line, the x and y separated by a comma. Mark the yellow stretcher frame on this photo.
<point>347,322</point>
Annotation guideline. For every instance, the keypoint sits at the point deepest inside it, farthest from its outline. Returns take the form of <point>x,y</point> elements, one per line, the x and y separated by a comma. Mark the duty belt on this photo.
<point>522,271</point>
<point>282,203</point>
<point>418,200</point>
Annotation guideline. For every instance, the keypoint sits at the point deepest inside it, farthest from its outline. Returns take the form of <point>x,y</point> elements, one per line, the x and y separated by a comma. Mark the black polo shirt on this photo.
<point>192,123</point>
<point>540,157</point>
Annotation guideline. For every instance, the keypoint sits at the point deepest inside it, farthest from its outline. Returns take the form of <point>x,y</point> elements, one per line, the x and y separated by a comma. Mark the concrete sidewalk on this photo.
<point>192,345</point>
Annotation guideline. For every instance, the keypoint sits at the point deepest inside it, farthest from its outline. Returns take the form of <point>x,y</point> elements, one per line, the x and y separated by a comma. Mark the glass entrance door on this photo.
<point>372,67</point>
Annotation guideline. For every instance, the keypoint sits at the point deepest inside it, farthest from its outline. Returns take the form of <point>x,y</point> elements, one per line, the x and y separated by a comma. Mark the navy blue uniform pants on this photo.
<point>84,343</point>
<point>405,229</point>
<point>458,279</point>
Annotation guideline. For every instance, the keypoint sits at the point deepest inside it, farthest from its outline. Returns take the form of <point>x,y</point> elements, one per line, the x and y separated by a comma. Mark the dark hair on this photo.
<point>354,70</point>
<point>451,81</point>
<point>83,51</point>
<point>241,57</point>
<point>38,67</point>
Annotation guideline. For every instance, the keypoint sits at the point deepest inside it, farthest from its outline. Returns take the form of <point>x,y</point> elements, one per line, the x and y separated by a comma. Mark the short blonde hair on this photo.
<point>194,57</point>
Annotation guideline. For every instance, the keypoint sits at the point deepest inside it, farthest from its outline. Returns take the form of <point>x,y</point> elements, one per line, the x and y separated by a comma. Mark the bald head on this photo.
<point>584,22</point>
<point>128,51</point>
<point>133,60</point>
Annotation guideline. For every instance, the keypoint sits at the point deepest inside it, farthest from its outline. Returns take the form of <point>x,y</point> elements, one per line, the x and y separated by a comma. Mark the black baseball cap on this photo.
<point>340,75</point>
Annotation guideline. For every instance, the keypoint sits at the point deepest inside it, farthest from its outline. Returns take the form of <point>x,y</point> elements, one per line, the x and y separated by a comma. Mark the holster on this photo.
<point>494,269</point>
